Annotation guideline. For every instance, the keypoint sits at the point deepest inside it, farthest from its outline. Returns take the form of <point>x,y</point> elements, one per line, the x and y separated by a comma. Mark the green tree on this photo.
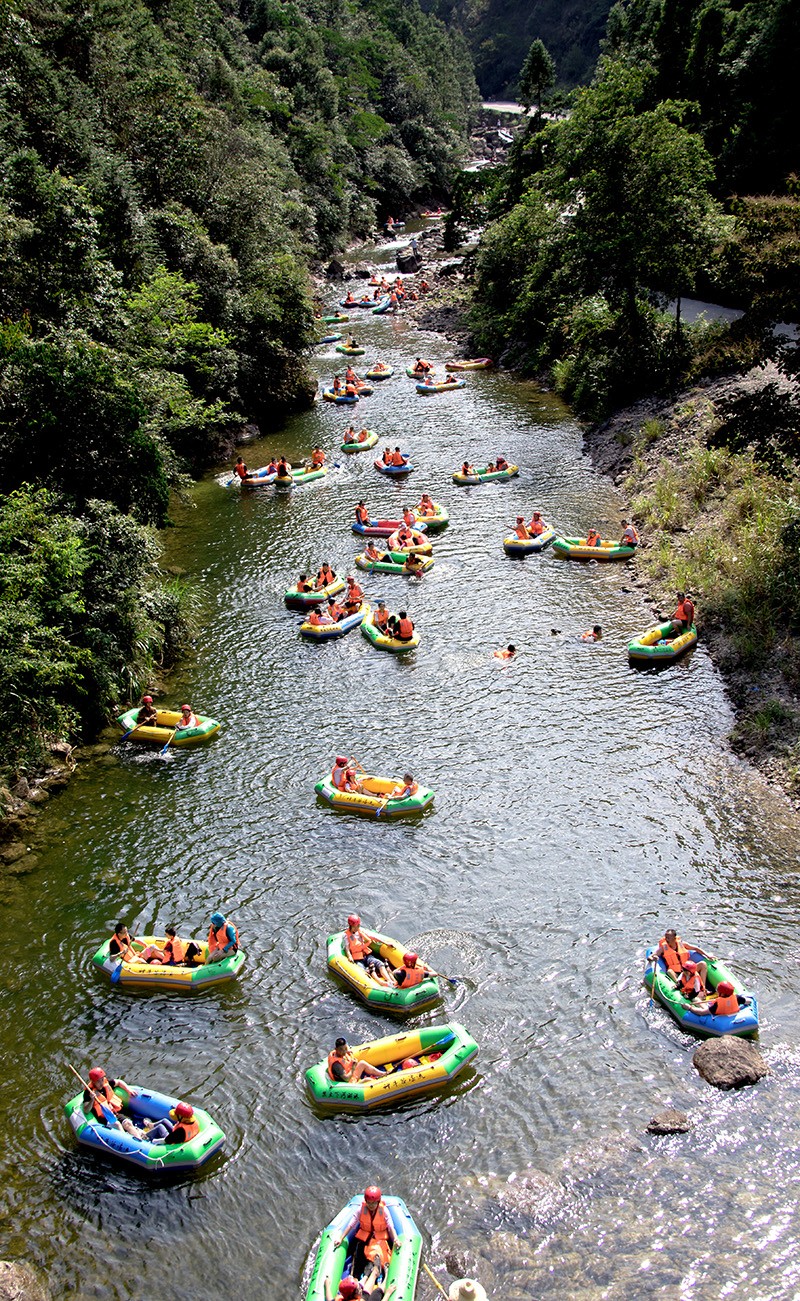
<point>538,76</point>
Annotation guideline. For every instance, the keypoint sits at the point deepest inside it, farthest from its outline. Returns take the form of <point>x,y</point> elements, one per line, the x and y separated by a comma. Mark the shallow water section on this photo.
<point>581,807</point>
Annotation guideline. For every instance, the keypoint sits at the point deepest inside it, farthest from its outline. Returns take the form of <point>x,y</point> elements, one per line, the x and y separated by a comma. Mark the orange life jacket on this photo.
<point>409,518</point>
<point>674,958</point>
<point>339,777</point>
<point>362,514</point>
<point>727,1005</point>
<point>354,595</point>
<point>241,470</point>
<point>414,976</point>
<point>373,1225</point>
<point>315,619</point>
<point>397,458</point>
<point>345,1062</point>
<point>536,527</point>
<point>317,458</point>
<point>218,939</point>
<point>522,532</point>
<point>381,619</point>
<point>357,945</point>
<point>176,949</point>
<point>109,1097</point>
<point>405,629</point>
<point>687,985</point>
<point>185,1131</point>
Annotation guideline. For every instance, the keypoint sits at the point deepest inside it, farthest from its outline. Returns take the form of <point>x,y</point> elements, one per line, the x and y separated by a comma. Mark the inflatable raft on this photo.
<point>393,562</point>
<point>329,338</point>
<point>443,1052</point>
<point>434,523</point>
<point>335,318</point>
<point>515,546</point>
<point>660,645</point>
<point>441,386</point>
<point>744,1023</point>
<point>382,306</point>
<point>341,398</point>
<point>168,720</point>
<point>192,979</point>
<point>395,470</point>
<point>153,1157</point>
<point>380,374</point>
<point>349,304</point>
<point>260,478</point>
<point>330,631</point>
<point>418,374</point>
<point>389,998</point>
<point>381,528</point>
<point>472,363</point>
<point>333,1263</point>
<point>576,549</point>
<point>299,477</point>
<point>305,600</point>
<point>350,350</point>
<point>382,641</point>
<point>369,442</point>
<point>483,475</point>
<point>375,799</point>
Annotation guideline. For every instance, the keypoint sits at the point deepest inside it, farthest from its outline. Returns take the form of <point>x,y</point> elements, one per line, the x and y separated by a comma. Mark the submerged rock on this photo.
<point>669,1121</point>
<point>19,1283</point>
<point>729,1063</point>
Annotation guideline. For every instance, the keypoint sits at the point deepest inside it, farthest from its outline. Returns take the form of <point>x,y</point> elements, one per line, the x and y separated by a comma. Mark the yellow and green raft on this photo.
<point>578,549</point>
<point>375,800</point>
<point>443,1052</point>
<point>383,641</point>
<point>167,727</point>
<point>660,645</point>
<point>192,979</point>
<point>389,998</point>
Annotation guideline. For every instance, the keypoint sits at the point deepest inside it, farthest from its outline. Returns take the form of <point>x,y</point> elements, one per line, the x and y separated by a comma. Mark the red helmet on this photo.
<point>186,708</point>
<point>725,988</point>
<point>340,759</point>
<point>96,1074</point>
<point>409,959</point>
<point>184,1111</point>
<point>354,920</point>
<point>349,1287</point>
<point>408,1064</point>
<point>372,1193</point>
<point>689,965</point>
<point>147,700</point>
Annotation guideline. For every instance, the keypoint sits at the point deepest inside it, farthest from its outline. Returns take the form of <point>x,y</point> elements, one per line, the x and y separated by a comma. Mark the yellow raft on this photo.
<point>441,1051</point>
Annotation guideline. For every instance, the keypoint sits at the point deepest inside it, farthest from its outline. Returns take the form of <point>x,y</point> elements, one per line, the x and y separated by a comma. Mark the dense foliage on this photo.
<point>601,219</point>
<point>167,172</point>
<point>500,32</point>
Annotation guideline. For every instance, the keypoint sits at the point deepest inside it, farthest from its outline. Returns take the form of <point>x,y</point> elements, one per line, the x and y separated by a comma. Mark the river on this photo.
<point>581,807</point>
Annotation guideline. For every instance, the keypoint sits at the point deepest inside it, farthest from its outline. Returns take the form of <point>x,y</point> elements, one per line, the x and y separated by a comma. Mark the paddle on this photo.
<point>108,1114</point>
<point>451,980</point>
<point>433,1279</point>
<point>131,731</point>
<point>653,986</point>
<point>167,743</point>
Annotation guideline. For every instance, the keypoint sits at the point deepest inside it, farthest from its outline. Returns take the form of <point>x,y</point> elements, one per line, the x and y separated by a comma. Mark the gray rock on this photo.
<point>335,269</point>
<point>729,1063</point>
<point>13,852</point>
<point>407,260</point>
<point>361,271</point>
<point>21,789</point>
<point>18,1282</point>
<point>669,1122</point>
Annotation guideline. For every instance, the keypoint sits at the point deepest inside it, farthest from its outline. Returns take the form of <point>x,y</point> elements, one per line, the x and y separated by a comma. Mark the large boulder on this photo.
<point>730,1063</point>
<point>408,260</point>
<point>335,269</point>
<point>19,1283</point>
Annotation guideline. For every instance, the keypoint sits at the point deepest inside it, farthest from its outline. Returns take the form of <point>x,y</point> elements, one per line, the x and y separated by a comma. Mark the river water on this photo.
<point>581,807</point>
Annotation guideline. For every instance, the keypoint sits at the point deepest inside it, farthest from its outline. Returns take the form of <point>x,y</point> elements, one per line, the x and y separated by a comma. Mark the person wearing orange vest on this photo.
<point>414,564</point>
<point>358,948</point>
<point>374,1233</point>
<point>350,376</point>
<point>284,468</point>
<point>630,538</point>
<point>466,468</point>
<point>319,619</point>
<point>337,384</point>
<point>343,776</point>
<point>180,1126</point>
<point>100,1099</point>
<point>421,366</point>
<point>689,983</point>
<point>726,1002</point>
<point>507,654</point>
<point>223,938</point>
<point>593,634</point>
<point>335,610</point>
<point>412,972</point>
<point>188,718</point>
<point>387,456</point>
<point>406,789</point>
<point>502,463</point>
<point>363,435</point>
<point>536,526</point>
<point>426,506</point>
<point>381,617</point>
<point>317,458</point>
<point>409,517</point>
<point>405,627</point>
<point>344,1068</point>
<point>371,551</point>
<point>325,576</point>
<point>593,539</point>
<point>177,952</point>
<point>354,595</point>
<point>683,616</point>
<point>241,469</point>
<point>675,955</point>
<point>521,530</point>
<point>362,514</point>
<point>121,945</point>
<point>397,457</point>
<point>303,584</point>
<point>350,1289</point>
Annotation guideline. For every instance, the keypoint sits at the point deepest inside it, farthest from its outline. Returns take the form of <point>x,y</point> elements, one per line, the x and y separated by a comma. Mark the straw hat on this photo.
<point>467,1289</point>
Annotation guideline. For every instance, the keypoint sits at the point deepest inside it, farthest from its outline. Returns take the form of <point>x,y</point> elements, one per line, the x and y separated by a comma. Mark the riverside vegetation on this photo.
<point>169,172</point>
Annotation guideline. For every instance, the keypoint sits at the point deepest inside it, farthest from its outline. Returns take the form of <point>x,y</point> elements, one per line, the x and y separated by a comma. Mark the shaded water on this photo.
<point>581,807</point>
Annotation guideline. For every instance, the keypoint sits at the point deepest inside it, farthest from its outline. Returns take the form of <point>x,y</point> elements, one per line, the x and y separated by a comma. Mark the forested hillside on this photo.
<point>499,33</point>
<point>167,170</point>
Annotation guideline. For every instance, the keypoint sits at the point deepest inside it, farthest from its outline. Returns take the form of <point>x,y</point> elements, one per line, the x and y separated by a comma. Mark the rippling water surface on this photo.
<point>581,807</point>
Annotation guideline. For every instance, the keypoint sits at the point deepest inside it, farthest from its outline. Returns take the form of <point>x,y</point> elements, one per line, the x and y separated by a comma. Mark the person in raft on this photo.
<point>412,972</point>
<point>180,1126</point>
<point>353,597</point>
<point>325,576</point>
<point>521,529</point>
<point>466,468</point>
<point>345,1068</point>
<point>426,506</point>
<point>101,1102</point>
<point>317,458</point>
<point>123,946</point>
<point>350,434</point>
<point>371,551</point>
<point>319,619</point>
<point>374,1234</point>
<point>351,1290</point>
<point>630,538</point>
<point>676,954</point>
<point>502,463</point>
<point>362,514</point>
<point>405,789</point>
<point>335,610</point>
<point>414,564</point>
<point>507,654</point>
<point>536,526</point>
<point>593,538</point>
<point>683,615</point>
<point>241,469</point>
<point>223,938</point>
<point>421,366</point>
<point>405,627</point>
<point>593,634</point>
<point>357,945</point>
<point>187,719</point>
<point>147,713</point>
<point>177,952</point>
<point>343,776</point>
<point>303,584</point>
<point>381,618</point>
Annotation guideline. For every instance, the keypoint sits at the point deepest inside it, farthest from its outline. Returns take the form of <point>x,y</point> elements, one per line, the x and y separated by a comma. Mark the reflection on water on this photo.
<point>580,808</point>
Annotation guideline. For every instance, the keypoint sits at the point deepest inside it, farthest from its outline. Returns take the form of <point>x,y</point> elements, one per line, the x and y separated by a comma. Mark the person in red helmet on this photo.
<point>374,1235</point>
<point>412,972</point>
<point>188,719</point>
<point>727,1001</point>
<point>357,945</point>
<point>148,713</point>
<point>100,1100</point>
<point>180,1126</point>
<point>690,985</point>
<point>343,774</point>
<point>351,1290</point>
